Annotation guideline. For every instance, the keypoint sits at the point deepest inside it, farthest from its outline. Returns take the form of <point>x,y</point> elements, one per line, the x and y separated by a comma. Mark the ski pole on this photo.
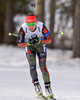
<point>11,34</point>
<point>57,33</point>
<point>42,38</point>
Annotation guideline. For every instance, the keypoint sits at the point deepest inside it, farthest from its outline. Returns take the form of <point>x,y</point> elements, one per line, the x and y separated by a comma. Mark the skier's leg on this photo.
<point>31,56</point>
<point>42,62</point>
<point>45,73</point>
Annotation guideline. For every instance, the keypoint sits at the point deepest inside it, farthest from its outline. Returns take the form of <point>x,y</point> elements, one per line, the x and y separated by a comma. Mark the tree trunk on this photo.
<point>52,15</point>
<point>76,46</point>
<point>2,16</point>
<point>39,10</point>
<point>9,25</point>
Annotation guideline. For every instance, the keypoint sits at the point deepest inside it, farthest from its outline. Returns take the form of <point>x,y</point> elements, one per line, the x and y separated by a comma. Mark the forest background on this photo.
<point>57,15</point>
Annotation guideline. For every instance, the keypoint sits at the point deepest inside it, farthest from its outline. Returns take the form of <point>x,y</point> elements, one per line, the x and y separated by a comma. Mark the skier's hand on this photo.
<point>34,40</point>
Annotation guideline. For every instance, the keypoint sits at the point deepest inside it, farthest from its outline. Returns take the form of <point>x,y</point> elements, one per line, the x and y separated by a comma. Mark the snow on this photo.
<point>15,79</point>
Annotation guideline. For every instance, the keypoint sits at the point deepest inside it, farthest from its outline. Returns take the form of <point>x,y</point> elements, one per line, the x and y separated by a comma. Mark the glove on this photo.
<point>27,41</point>
<point>34,40</point>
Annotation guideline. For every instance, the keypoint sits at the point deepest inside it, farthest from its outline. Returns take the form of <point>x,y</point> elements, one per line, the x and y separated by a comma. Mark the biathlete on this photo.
<point>34,36</point>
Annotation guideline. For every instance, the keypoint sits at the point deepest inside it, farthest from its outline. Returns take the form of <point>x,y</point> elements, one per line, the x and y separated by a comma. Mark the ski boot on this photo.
<point>39,91</point>
<point>49,92</point>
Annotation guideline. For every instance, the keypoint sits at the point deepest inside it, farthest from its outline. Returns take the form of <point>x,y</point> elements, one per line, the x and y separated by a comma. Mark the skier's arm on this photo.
<point>21,37</point>
<point>22,44</point>
<point>47,37</point>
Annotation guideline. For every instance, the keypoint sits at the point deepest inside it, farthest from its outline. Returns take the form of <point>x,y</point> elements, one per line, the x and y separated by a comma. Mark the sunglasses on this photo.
<point>29,24</point>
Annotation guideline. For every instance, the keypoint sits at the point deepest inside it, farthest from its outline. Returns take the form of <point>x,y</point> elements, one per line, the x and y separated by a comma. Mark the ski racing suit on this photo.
<point>39,49</point>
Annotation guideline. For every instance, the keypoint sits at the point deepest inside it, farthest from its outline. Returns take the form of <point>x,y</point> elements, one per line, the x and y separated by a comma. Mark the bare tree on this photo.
<point>39,10</point>
<point>76,46</point>
<point>9,26</point>
<point>52,15</point>
<point>13,7</point>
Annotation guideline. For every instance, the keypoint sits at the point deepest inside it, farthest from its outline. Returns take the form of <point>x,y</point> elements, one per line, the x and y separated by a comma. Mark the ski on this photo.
<point>51,97</point>
<point>42,97</point>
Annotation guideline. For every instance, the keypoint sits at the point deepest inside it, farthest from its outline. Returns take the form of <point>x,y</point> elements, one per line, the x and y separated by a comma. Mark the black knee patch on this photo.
<point>42,55</point>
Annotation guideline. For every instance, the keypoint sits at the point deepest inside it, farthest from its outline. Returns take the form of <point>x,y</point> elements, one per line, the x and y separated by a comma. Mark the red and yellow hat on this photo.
<point>30,19</point>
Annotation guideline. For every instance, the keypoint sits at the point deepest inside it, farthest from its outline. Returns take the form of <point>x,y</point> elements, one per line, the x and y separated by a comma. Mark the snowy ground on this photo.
<point>15,80</point>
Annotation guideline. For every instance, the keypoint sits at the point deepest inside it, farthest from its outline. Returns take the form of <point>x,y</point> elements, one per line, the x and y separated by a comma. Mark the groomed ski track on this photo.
<point>16,83</point>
